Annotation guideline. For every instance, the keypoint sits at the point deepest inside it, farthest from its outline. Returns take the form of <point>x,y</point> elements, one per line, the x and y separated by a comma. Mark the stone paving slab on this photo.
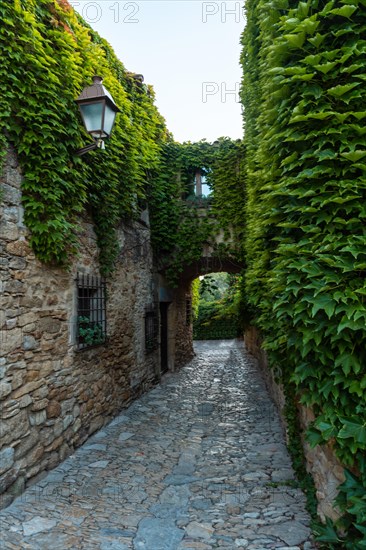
<point>199,462</point>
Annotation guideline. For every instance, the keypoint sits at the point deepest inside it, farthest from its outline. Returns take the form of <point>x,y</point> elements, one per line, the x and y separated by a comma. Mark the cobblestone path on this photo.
<point>197,463</point>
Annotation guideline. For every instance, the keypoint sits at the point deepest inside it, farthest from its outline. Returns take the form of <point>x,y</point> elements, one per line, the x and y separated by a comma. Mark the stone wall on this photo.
<point>184,329</point>
<point>53,396</point>
<point>180,329</point>
<point>322,463</point>
<point>253,345</point>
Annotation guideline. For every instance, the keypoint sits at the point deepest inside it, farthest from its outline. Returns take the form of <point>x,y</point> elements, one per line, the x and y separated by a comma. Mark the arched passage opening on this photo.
<point>216,306</point>
<point>176,319</point>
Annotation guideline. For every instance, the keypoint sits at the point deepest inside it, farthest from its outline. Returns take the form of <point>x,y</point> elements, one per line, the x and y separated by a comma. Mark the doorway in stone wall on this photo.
<point>164,336</point>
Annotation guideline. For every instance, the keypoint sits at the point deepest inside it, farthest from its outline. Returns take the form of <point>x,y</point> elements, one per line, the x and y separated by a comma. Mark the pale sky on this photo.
<point>188,50</point>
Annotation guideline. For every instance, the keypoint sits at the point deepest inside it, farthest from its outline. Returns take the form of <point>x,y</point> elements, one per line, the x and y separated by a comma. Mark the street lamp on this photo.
<point>98,111</point>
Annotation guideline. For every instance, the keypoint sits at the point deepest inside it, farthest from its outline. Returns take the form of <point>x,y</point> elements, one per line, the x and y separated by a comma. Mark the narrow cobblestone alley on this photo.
<point>199,462</point>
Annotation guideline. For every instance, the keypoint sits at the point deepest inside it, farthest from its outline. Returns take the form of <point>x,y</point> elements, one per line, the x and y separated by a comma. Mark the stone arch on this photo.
<point>180,336</point>
<point>210,264</point>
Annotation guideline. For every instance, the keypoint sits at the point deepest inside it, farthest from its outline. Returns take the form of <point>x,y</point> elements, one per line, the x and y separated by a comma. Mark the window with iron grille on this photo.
<point>91,311</point>
<point>151,330</point>
<point>188,310</point>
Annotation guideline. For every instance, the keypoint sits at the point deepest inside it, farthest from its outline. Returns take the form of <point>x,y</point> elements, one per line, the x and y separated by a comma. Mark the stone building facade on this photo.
<point>57,386</point>
<point>181,329</point>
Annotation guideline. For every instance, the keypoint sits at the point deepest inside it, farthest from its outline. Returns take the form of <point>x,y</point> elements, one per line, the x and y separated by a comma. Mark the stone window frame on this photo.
<point>151,322</point>
<point>91,323</point>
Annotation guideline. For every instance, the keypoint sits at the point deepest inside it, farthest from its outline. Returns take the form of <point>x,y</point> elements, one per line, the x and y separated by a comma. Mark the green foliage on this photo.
<point>295,447</point>
<point>180,227</point>
<point>213,287</point>
<point>48,55</point>
<point>227,180</point>
<point>218,311</point>
<point>90,333</point>
<point>178,231</point>
<point>194,157</point>
<point>304,95</point>
<point>195,289</point>
<point>211,325</point>
<point>352,500</point>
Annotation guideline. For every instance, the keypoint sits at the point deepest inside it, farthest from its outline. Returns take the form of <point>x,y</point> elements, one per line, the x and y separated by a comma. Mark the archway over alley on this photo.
<point>176,305</point>
<point>210,264</point>
<point>218,254</point>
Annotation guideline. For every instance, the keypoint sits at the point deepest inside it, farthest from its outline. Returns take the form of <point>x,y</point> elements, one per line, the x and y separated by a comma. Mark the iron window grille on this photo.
<point>151,330</point>
<point>91,311</point>
<point>188,310</point>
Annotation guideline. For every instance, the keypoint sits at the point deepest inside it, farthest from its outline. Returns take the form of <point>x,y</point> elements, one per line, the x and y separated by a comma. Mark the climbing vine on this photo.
<point>218,307</point>
<point>48,55</point>
<point>182,223</point>
<point>178,231</point>
<point>304,95</point>
<point>227,179</point>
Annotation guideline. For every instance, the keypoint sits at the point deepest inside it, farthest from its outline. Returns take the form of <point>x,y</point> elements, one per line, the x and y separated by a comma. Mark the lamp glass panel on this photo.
<point>92,114</point>
<point>109,118</point>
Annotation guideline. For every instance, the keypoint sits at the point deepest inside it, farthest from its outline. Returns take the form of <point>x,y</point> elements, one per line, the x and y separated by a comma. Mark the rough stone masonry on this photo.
<point>53,396</point>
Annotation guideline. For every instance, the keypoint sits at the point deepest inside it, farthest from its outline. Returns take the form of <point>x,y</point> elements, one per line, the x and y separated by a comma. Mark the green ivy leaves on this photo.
<point>303,93</point>
<point>179,230</point>
<point>48,55</point>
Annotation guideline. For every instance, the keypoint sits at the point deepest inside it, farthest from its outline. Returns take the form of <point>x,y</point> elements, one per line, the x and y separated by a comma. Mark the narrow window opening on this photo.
<point>91,311</point>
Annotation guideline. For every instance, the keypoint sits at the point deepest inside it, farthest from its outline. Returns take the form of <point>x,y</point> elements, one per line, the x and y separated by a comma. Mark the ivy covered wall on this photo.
<point>304,95</point>
<point>48,55</point>
<point>182,223</point>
